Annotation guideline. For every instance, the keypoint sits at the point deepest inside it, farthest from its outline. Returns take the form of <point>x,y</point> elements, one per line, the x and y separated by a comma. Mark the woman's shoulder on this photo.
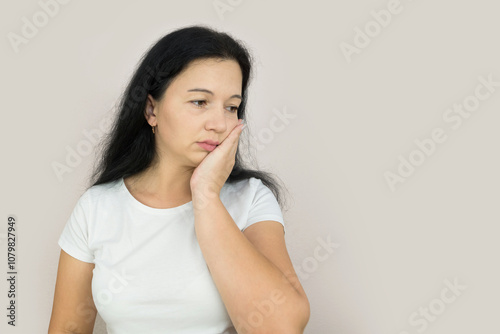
<point>243,188</point>
<point>100,191</point>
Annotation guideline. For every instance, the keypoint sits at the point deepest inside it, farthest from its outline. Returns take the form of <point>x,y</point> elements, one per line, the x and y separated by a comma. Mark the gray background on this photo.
<point>353,118</point>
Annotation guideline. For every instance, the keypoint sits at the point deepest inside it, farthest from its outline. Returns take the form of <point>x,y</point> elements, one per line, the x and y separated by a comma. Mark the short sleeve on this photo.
<point>74,238</point>
<point>264,206</point>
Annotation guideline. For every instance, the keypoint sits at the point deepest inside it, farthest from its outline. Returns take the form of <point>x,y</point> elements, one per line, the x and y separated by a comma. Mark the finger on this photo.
<point>238,129</point>
<point>233,137</point>
<point>235,133</point>
<point>238,135</point>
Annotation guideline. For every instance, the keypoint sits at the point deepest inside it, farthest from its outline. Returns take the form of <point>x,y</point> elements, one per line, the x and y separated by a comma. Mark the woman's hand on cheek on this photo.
<point>211,174</point>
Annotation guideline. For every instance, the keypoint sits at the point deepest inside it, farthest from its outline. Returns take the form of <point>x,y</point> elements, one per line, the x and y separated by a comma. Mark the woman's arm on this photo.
<point>73,310</point>
<point>258,295</point>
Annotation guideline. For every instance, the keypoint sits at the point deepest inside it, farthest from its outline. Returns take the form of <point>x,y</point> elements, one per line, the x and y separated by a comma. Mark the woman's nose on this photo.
<point>217,119</point>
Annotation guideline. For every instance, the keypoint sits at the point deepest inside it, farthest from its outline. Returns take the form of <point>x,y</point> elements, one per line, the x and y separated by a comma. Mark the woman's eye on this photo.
<point>234,109</point>
<point>198,101</point>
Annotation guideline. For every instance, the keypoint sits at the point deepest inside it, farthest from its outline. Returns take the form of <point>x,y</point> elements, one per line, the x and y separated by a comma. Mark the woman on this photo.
<point>175,235</point>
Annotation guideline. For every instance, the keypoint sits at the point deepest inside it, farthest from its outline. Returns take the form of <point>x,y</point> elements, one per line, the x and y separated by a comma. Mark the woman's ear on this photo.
<point>149,111</point>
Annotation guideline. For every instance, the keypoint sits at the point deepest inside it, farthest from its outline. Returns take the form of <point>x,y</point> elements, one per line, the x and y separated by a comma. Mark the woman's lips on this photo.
<point>207,147</point>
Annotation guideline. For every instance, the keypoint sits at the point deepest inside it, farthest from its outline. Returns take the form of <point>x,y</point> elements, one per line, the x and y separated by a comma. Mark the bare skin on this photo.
<point>182,119</point>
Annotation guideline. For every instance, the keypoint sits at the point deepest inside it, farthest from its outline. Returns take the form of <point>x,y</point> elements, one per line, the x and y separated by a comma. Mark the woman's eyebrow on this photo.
<point>207,91</point>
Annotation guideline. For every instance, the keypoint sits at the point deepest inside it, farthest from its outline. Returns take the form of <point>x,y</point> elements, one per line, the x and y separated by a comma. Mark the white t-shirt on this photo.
<point>150,275</point>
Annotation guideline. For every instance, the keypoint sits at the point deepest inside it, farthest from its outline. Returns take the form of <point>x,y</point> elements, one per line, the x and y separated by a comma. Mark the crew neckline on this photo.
<point>144,207</point>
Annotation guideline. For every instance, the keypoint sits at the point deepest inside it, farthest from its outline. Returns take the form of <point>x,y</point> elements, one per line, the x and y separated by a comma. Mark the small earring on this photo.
<point>153,129</point>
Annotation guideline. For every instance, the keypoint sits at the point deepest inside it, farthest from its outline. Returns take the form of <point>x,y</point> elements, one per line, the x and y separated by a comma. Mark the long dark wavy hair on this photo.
<point>129,147</point>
